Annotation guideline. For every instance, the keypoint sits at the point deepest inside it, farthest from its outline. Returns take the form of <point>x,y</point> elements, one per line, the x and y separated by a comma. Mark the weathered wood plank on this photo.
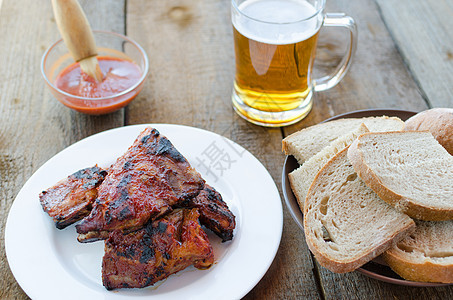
<point>34,126</point>
<point>423,35</point>
<point>190,62</point>
<point>357,286</point>
<point>190,48</point>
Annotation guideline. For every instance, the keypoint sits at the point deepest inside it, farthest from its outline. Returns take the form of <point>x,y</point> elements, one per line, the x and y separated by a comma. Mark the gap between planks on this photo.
<point>405,60</point>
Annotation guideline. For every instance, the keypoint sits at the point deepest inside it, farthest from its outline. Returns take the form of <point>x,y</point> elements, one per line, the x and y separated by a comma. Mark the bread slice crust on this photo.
<point>345,223</point>
<point>438,121</point>
<point>417,271</point>
<point>426,255</point>
<point>301,178</point>
<point>306,142</point>
<point>404,203</point>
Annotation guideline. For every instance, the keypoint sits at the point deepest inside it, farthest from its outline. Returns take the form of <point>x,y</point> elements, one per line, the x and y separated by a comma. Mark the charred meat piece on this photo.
<point>71,199</point>
<point>214,212</point>
<point>143,184</point>
<point>163,247</point>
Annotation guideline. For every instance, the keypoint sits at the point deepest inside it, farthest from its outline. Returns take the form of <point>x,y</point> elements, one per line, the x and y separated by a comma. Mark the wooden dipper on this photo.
<point>77,35</point>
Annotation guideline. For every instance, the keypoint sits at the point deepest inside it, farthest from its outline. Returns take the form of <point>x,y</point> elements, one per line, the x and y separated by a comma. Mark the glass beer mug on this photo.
<point>275,47</point>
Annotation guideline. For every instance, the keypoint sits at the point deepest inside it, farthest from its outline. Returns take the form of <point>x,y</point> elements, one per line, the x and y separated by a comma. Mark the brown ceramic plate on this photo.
<point>376,268</point>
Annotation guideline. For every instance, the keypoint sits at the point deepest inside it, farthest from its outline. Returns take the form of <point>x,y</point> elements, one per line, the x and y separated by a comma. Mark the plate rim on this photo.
<point>274,197</point>
<point>287,189</point>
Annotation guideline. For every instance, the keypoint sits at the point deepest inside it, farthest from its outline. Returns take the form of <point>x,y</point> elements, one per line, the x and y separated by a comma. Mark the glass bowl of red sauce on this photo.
<point>124,65</point>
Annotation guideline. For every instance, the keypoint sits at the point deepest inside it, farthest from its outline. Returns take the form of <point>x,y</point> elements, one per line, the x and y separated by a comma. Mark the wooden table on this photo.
<point>404,61</point>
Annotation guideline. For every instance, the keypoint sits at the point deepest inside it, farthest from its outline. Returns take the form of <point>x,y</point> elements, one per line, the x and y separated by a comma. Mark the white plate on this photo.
<point>50,264</point>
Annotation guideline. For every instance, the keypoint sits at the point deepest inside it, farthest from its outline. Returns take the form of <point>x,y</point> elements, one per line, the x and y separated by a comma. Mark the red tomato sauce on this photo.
<point>119,75</point>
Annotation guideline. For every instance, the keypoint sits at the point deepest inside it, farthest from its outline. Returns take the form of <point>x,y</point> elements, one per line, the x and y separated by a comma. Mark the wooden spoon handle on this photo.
<point>77,35</point>
<point>74,28</point>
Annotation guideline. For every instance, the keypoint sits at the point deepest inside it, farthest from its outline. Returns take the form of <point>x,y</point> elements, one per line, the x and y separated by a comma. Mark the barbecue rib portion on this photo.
<point>214,212</point>
<point>148,208</point>
<point>161,248</point>
<point>143,184</point>
<point>71,199</point>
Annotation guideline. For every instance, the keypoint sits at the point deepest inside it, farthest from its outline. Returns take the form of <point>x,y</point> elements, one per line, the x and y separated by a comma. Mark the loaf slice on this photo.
<point>301,178</point>
<point>307,142</point>
<point>426,255</point>
<point>345,222</point>
<point>438,121</point>
<point>410,170</point>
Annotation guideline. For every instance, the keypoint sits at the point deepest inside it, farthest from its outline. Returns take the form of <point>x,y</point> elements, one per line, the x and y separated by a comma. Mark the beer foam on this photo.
<point>277,21</point>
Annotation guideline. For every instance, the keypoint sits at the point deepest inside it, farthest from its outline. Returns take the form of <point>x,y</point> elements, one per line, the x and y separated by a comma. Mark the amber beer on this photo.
<point>273,77</point>
<point>274,58</point>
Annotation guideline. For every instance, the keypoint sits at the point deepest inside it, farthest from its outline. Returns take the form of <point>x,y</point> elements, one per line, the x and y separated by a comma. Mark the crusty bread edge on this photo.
<point>438,121</point>
<point>425,272</point>
<point>285,144</point>
<point>300,201</point>
<point>398,201</point>
<point>349,266</point>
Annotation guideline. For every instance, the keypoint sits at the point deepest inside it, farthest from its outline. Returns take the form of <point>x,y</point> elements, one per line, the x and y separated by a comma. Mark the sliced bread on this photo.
<point>409,169</point>
<point>307,142</point>
<point>438,121</point>
<point>345,222</point>
<point>301,178</point>
<point>426,255</point>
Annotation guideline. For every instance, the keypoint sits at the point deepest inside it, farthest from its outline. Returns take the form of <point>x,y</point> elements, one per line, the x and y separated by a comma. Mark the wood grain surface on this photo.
<point>422,32</point>
<point>33,125</point>
<point>402,62</point>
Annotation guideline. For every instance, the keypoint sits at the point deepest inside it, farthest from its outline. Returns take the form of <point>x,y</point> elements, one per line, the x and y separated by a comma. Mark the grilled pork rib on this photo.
<point>148,208</point>
<point>143,184</point>
<point>161,248</point>
<point>71,199</point>
<point>214,212</point>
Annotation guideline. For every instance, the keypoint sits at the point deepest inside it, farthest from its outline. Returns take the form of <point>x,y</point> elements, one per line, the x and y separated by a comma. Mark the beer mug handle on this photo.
<point>339,20</point>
